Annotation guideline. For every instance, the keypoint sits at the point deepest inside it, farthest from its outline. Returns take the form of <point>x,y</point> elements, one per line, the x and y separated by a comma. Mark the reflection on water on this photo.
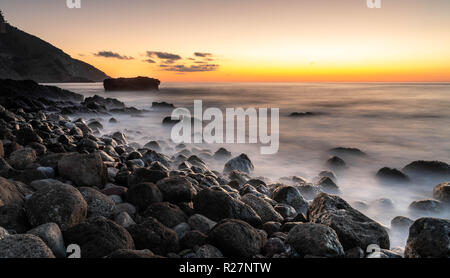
<point>394,124</point>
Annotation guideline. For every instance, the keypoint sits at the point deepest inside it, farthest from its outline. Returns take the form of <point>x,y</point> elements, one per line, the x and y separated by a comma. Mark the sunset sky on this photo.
<point>248,40</point>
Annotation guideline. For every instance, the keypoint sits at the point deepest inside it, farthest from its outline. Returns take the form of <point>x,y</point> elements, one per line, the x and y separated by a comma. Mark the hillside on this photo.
<point>24,56</point>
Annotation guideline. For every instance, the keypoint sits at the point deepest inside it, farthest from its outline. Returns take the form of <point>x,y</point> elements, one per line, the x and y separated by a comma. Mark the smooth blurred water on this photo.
<point>394,124</point>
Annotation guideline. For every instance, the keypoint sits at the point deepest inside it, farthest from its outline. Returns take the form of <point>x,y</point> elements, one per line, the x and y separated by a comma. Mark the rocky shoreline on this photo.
<point>63,183</point>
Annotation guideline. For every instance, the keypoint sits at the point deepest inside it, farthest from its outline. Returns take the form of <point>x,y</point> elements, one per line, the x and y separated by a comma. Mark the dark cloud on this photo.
<point>110,54</point>
<point>202,54</point>
<point>150,61</point>
<point>191,68</point>
<point>163,55</point>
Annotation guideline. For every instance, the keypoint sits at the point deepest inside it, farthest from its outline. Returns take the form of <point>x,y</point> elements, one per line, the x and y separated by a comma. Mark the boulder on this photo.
<point>241,163</point>
<point>151,234</point>
<point>208,251</point>
<point>347,151</point>
<point>441,192</point>
<point>315,239</point>
<point>423,170</point>
<point>124,219</point>
<point>141,175</point>
<point>336,163</point>
<point>222,153</point>
<point>13,217</point>
<point>39,184</point>
<point>2,150</point>
<point>83,169</point>
<point>216,204</point>
<point>9,193</point>
<point>27,135</point>
<point>392,176</point>
<point>353,228</point>
<point>262,208</point>
<point>192,239</point>
<point>236,239</point>
<point>290,195</point>
<point>24,246</point>
<point>144,194</point>
<point>274,246</point>
<point>429,238</point>
<point>53,238</point>
<point>201,223</point>
<point>426,207</point>
<point>327,185</point>
<point>98,203</point>
<point>63,205</point>
<point>401,223</point>
<point>21,158</point>
<point>176,189</point>
<point>98,237</point>
<point>168,214</point>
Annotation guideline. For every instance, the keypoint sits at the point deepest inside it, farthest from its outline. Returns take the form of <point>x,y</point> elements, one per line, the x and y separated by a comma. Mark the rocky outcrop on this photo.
<point>429,238</point>
<point>131,84</point>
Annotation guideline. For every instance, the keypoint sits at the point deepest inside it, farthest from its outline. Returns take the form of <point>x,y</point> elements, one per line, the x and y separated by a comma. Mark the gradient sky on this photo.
<point>250,40</point>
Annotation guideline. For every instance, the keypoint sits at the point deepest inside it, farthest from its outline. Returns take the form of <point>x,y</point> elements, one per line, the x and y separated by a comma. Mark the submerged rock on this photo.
<point>423,170</point>
<point>426,207</point>
<point>131,84</point>
<point>290,195</point>
<point>442,192</point>
<point>347,151</point>
<point>241,163</point>
<point>391,175</point>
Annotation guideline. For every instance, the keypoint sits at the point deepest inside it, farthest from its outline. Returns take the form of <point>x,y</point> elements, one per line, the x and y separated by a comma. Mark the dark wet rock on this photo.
<point>98,237</point>
<point>27,135</point>
<point>167,121</point>
<point>262,208</point>
<point>304,114</point>
<point>392,176</point>
<point>13,217</point>
<point>115,190</point>
<point>2,150</point>
<point>315,239</point>
<point>124,219</point>
<point>151,234</point>
<point>162,105</point>
<point>429,238</point>
<point>216,204</point>
<point>126,207</point>
<point>63,205</point>
<point>285,210</point>
<point>152,156</point>
<point>24,246</point>
<point>441,192</point>
<point>139,83</point>
<point>108,103</point>
<point>222,153</point>
<point>353,228</point>
<point>201,223</point>
<point>236,239</point>
<point>21,158</point>
<point>6,170</point>
<point>3,233</point>
<point>423,170</point>
<point>98,203</point>
<point>53,238</point>
<point>193,239</point>
<point>83,169</point>
<point>182,229</point>
<point>113,121</point>
<point>336,163</point>
<point>401,223</point>
<point>9,193</point>
<point>153,145</point>
<point>426,207</point>
<point>290,195</point>
<point>239,176</point>
<point>347,151</point>
<point>241,163</point>
<point>328,174</point>
<point>120,138</point>
<point>176,189</point>
<point>144,194</point>
<point>145,175</point>
<point>271,227</point>
<point>88,145</point>
<point>273,246</point>
<point>385,204</point>
<point>168,214</point>
<point>208,251</point>
<point>327,185</point>
<point>39,184</point>
<point>132,254</point>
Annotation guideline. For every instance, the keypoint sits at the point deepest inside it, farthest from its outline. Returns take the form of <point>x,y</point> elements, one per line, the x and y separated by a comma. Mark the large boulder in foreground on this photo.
<point>131,84</point>
<point>353,228</point>
<point>24,246</point>
<point>98,237</point>
<point>63,205</point>
<point>83,169</point>
<point>216,204</point>
<point>241,163</point>
<point>315,239</point>
<point>429,238</point>
<point>237,239</point>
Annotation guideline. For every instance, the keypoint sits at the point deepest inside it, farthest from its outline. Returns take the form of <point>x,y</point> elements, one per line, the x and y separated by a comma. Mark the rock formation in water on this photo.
<point>131,84</point>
